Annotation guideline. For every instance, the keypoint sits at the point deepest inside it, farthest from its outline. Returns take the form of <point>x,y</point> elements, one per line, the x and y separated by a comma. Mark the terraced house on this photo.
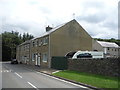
<point>23,52</point>
<point>56,41</point>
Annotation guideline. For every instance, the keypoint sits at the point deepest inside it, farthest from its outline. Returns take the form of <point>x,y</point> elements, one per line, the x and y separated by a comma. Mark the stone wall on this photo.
<point>107,66</point>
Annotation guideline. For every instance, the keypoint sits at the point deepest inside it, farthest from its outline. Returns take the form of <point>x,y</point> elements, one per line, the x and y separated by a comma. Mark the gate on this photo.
<point>60,63</point>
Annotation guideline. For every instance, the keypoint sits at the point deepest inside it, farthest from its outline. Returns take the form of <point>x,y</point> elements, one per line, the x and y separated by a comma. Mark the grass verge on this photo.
<point>90,79</point>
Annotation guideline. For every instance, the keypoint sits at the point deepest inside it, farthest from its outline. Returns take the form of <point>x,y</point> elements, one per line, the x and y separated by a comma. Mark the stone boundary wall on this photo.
<point>106,66</point>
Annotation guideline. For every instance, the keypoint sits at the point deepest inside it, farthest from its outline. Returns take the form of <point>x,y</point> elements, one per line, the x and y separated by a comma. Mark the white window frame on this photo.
<point>45,40</point>
<point>40,42</point>
<point>36,43</point>
<point>33,43</point>
<point>33,57</point>
<point>45,57</point>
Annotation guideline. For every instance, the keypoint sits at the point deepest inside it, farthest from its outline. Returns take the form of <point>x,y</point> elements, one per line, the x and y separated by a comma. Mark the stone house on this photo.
<point>110,49</point>
<point>56,41</point>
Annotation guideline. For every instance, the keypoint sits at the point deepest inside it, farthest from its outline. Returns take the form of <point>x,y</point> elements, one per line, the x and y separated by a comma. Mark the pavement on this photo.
<point>50,71</point>
<point>27,76</point>
<point>41,69</point>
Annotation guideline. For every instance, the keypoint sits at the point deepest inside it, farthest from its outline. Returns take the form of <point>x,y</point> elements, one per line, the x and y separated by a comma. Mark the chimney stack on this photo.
<point>48,28</point>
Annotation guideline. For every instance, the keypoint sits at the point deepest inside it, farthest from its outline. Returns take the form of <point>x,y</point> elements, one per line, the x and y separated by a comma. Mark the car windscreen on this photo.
<point>70,54</point>
<point>84,55</point>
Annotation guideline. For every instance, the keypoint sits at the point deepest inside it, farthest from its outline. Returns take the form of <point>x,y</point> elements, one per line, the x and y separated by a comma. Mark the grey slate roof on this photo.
<point>108,44</point>
<point>46,33</point>
<point>49,32</point>
<point>26,42</point>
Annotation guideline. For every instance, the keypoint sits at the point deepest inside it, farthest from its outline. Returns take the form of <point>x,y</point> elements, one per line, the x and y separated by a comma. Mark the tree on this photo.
<point>27,36</point>
<point>10,40</point>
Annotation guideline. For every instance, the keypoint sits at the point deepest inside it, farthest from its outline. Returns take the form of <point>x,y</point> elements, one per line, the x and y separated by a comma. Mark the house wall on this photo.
<point>23,53</point>
<point>70,37</point>
<point>42,50</point>
<point>33,51</point>
<point>97,46</point>
<point>111,50</point>
<point>39,49</point>
<point>18,53</point>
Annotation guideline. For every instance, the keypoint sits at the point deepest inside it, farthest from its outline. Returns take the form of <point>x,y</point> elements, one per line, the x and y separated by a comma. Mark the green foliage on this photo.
<point>26,37</point>
<point>10,40</point>
<point>90,79</point>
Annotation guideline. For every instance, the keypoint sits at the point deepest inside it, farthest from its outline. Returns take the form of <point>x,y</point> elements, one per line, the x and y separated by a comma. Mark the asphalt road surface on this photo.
<point>18,76</point>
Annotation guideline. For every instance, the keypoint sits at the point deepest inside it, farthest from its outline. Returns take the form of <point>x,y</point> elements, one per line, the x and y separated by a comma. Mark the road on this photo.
<point>18,76</point>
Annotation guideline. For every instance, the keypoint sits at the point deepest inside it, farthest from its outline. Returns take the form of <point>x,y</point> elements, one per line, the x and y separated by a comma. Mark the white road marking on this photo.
<point>5,71</point>
<point>59,79</point>
<point>62,80</point>
<point>18,75</point>
<point>31,85</point>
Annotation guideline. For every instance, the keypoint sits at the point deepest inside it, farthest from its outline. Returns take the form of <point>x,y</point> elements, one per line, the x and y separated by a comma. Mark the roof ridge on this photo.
<point>108,44</point>
<point>53,29</point>
<point>105,41</point>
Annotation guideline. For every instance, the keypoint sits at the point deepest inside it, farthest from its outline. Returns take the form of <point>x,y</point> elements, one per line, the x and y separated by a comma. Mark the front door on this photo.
<point>36,59</point>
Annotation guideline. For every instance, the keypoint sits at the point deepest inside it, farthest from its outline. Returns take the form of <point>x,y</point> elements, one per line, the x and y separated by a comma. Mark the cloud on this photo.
<point>92,18</point>
<point>119,20</point>
<point>98,17</point>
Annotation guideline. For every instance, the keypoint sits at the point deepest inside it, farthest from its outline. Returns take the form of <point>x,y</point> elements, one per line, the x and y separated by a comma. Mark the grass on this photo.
<point>90,79</point>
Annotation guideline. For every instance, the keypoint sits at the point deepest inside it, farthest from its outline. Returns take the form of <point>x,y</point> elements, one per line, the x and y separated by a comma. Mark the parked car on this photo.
<point>94,54</point>
<point>84,55</point>
<point>14,61</point>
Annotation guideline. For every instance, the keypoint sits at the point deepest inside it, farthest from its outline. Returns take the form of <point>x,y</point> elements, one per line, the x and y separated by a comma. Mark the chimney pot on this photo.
<point>48,28</point>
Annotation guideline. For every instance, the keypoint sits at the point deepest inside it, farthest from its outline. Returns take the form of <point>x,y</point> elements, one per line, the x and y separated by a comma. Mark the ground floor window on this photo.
<point>45,57</point>
<point>33,57</point>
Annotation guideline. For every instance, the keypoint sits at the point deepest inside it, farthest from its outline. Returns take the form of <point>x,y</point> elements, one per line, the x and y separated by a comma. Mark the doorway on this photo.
<point>37,59</point>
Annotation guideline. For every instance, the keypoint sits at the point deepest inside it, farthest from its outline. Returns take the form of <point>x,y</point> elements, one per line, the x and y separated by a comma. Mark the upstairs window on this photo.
<point>40,42</point>
<point>36,43</point>
<point>24,47</point>
<point>45,40</point>
<point>28,46</point>
<point>33,44</point>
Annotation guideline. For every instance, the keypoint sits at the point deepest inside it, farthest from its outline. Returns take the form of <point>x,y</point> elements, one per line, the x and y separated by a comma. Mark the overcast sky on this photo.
<point>98,17</point>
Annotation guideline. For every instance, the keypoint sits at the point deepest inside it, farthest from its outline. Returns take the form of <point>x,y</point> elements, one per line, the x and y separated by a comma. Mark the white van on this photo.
<point>94,54</point>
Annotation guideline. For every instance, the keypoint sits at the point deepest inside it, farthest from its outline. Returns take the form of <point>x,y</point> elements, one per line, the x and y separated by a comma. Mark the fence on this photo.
<point>59,63</point>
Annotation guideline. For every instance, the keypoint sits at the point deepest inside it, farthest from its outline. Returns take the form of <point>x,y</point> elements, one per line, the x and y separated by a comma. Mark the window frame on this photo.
<point>45,58</point>
<point>33,57</point>
<point>45,40</point>
<point>40,42</point>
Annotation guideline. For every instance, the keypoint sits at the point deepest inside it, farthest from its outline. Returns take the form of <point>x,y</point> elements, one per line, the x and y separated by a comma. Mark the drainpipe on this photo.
<point>29,54</point>
<point>49,57</point>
